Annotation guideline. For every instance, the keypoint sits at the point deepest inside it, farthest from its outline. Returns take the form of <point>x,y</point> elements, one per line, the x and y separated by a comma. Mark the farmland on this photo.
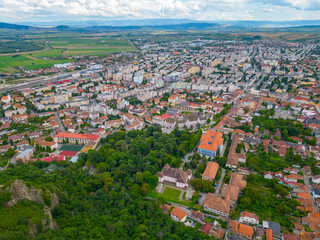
<point>61,47</point>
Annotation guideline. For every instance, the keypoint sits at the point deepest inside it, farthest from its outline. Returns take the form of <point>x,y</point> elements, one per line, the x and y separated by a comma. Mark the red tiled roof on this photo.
<point>77,135</point>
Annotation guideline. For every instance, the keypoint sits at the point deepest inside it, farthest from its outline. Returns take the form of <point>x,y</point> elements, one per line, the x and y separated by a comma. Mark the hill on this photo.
<point>14,26</point>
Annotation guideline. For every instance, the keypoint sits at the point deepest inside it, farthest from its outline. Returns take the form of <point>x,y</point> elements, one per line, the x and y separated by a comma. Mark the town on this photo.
<point>252,167</point>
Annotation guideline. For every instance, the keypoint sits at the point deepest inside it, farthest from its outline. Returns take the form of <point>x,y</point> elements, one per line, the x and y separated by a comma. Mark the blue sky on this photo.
<point>75,10</point>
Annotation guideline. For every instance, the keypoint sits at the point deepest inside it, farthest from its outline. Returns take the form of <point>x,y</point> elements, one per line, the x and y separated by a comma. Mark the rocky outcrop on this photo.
<point>48,223</point>
<point>20,191</point>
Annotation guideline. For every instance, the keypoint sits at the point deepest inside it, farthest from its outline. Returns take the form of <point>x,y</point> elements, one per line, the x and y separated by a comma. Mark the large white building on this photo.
<point>175,175</point>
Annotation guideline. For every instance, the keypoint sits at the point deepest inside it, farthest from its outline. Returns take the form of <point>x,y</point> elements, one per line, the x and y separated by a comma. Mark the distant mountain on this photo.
<point>112,22</point>
<point>164,22</point>
<point>271,24</point>
<point>13,26</point>
<point>183,26</point>
<point>62,27</point>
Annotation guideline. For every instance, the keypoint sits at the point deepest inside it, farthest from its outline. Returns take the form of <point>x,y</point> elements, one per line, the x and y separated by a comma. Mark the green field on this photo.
<point>172,195</point>
<point>60,45</point>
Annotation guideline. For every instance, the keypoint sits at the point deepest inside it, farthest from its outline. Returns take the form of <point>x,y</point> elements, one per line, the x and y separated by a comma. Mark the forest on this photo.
<point>102,196</point>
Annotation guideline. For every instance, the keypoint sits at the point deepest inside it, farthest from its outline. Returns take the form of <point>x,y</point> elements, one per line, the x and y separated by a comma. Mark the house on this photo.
<point>197,216</point>
<point>249,218</point>
<point>290,236</point>
<point>45,144</point>
<point>303,195</point>
<point>178,215</point>
<point>165,208</point>
<point>275,227</point>
<point>278,174</point>
<point>269,234</point>
<point>307,170</point>
<point>316,179</point>
<point>245,230</point>
<point>291,178</point>
<point>232,191</point>
<point>210,143</point>
<point>216,204</point>
<point>268,175</point>
<point>177,176</point>
<point>25,155</point>
<point>211,171</point>
<point>316,192</point>
<point>239,228</point>
<point>219,233</point>
<point>206,228</point>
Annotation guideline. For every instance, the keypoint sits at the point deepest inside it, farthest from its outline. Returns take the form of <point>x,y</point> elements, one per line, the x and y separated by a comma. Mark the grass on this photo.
<point>62,44</point>
<point>30,61</point>
<point>172,195</point>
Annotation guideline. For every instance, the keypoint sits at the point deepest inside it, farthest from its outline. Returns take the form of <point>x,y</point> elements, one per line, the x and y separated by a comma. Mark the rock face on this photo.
<point>20,191</point>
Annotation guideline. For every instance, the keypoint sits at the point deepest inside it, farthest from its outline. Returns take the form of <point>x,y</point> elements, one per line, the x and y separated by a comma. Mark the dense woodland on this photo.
<point>102,195</point>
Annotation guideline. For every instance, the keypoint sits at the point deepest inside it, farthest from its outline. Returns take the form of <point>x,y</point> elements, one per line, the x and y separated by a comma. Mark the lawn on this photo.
<point>172,195</point>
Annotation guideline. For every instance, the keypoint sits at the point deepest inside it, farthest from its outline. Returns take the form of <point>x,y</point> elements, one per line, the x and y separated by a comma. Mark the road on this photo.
<point>131,43</point>
<point>221,180</point>
<point>36,81</point>
<point>307,183</point>
<point>62,129</point>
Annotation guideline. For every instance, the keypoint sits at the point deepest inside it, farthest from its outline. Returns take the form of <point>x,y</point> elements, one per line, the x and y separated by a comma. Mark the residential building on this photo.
<point>211,171</point>
<point>216,204</point>
<point>178,215</point>
<point>249,218</point>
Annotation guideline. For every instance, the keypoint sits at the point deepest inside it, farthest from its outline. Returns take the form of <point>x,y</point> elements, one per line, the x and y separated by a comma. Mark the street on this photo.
<point>62,129</point>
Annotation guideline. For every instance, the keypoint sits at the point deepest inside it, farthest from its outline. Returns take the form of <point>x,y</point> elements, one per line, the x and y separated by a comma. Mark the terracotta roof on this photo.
<point>269,234</point>
<point>211,170</point>
<point>245,230</point>
<point>211,140</point>
<point>230,189</point>
<point>178,213</point>
<point>290,236</point>
<point>303,195</point>
<point>214,201</point>
<point>205,228</point>
<point>77,135</point>
<point>249,215</point>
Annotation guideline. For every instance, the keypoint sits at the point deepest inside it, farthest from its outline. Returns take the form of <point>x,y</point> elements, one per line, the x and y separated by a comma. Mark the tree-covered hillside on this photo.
<point>101,196</point>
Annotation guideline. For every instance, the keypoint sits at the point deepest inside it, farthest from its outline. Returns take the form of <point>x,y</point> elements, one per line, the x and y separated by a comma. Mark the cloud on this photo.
<point>126,9</point>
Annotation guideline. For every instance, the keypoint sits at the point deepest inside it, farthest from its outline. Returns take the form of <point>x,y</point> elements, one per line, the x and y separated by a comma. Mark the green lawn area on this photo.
<point>172,195</point>
<point>30,61</point>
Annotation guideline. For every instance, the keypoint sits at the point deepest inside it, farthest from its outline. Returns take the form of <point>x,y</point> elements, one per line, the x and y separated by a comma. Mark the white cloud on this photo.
<point>126,9</point>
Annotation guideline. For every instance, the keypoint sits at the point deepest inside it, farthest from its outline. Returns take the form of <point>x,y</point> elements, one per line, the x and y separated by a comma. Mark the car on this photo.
<point>215,185</point>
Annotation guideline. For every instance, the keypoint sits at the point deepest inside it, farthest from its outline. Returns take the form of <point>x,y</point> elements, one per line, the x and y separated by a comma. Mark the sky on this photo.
<point>205,10</point>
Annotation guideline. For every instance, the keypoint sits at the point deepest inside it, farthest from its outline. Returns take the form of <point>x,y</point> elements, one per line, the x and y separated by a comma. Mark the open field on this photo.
<point>62,44</point>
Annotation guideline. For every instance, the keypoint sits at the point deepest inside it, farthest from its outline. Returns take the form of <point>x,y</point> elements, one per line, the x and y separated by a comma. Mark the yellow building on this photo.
<point>194,70</point>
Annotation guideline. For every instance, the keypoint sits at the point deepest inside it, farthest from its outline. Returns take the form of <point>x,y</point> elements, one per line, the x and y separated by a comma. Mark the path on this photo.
<point>221,180</point>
